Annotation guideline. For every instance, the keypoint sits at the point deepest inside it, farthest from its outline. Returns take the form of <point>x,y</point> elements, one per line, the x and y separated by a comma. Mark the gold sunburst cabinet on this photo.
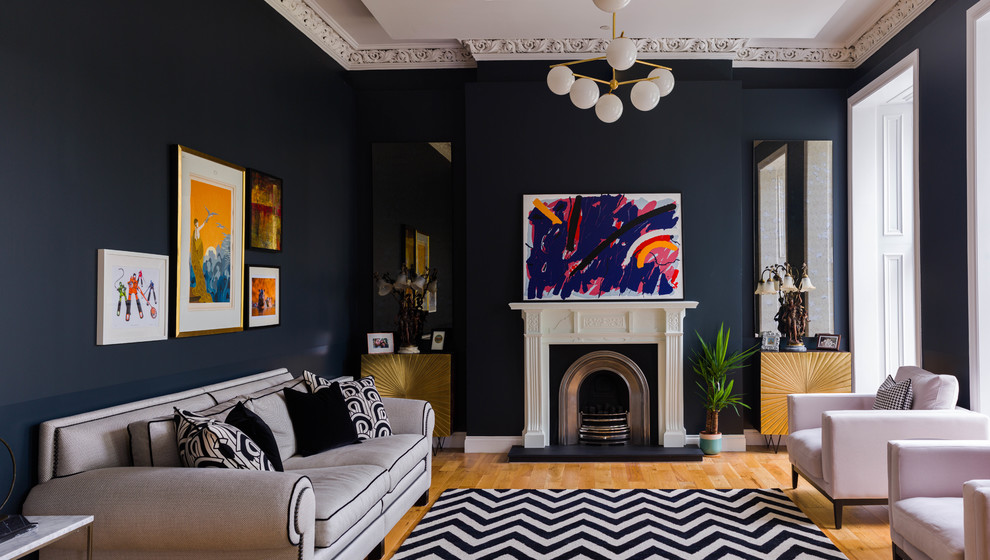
<point>414,376</point>
<point>785,373</point>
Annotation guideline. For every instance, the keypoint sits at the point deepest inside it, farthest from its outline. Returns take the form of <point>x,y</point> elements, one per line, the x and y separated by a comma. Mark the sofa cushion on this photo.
<point>805,450</point>
<point>320,420</point>
<point>153,442</point>
<point>345,496</point>
<point>363,401</point>
<point>397,454</point>
<point>933,525</point>
<point>931,391</point>
<point>270,406</point>
<point>255,428</point>
<point>894,395</point>
<point>205,442</point>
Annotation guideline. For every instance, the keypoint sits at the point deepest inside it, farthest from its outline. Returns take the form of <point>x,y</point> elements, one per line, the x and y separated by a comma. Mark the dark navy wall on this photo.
<point>939,35</point>
<point>93,96</point>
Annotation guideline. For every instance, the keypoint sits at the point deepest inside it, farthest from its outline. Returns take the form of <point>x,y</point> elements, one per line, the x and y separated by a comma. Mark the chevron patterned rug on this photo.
<point>615,525</point>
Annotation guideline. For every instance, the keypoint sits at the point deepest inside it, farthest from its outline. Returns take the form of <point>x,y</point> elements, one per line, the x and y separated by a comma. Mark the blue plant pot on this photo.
<point>711,444</point>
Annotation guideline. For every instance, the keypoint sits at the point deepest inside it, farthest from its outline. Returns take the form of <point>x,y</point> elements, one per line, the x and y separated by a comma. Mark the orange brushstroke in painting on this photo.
<point>262,296</point>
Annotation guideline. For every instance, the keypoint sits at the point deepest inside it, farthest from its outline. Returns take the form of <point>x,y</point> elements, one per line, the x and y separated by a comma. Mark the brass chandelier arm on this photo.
<point>592,79</point>
<point>577,62</point>
<point>654,65</point>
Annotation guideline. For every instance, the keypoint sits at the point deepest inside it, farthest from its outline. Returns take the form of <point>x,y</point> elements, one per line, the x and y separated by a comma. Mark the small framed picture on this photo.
<point>438,339</point>
<point>771,341</point>
<point>380,343</point>
<point>264,212</point>
<point>131,297</point>
<point>828,342</point>
<point>265,298</point>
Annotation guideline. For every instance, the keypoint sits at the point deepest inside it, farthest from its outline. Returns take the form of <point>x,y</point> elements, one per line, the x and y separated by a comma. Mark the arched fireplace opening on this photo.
<point>604,398</point>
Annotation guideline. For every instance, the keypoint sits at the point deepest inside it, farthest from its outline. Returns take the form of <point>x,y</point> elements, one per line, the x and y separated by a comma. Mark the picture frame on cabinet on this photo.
<point>828,342</point>
<point>381,343</point>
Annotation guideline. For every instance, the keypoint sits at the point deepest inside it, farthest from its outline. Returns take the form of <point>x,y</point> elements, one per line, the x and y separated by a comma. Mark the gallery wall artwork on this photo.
<point>265,298</point>
<point>264,211</point>
<point>132,297</point>
<point>210,263</point>
<point>609,246</point>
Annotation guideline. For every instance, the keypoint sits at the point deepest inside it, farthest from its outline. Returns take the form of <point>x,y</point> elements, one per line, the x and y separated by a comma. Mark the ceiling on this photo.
<point>375,34</point>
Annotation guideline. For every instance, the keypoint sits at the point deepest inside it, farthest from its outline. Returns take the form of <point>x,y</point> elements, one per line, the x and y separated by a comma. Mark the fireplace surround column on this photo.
<point>597,322</point>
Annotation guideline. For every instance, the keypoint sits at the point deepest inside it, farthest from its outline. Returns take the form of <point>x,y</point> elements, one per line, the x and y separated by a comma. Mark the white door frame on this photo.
<point>865,380</point>
<point>977,200</point>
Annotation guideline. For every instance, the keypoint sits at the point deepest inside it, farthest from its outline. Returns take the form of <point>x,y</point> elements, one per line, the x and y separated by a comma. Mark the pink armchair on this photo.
<point>838,443</point>
<point>939,499</point>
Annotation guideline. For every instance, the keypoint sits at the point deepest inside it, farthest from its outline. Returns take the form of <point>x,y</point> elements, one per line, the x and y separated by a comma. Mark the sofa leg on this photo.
<point>423,500</point>
<point>794,477</point>
<point>837,511</point>
<point>377,552</point>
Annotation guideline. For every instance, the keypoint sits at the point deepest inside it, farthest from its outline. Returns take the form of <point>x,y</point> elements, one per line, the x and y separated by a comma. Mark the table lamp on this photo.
<point>11,525</point>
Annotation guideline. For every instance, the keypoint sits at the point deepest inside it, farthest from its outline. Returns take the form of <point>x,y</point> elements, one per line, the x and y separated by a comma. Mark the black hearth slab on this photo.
<point>603,454</point>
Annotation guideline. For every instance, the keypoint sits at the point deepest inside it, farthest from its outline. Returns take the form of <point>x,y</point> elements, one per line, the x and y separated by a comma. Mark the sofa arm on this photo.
<point>854,443</point>
<point>912,464</point>
<point>186,509</point>
<point>976,519</point>
<point>804,411</point>
<point>410,416</point>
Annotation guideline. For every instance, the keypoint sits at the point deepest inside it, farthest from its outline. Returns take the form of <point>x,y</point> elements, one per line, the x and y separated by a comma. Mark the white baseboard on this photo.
<point>730,442</point>
<point>453,441</point>
<point>490,444</point>
<point>502,444</point>
<point>754,437</point>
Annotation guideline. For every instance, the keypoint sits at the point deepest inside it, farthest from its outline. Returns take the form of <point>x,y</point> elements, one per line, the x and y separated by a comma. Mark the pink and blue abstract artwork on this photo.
<point>609,246</point>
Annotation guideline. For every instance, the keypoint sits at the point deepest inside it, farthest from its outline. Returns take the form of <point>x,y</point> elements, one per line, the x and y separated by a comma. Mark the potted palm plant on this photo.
<point>712,363</point>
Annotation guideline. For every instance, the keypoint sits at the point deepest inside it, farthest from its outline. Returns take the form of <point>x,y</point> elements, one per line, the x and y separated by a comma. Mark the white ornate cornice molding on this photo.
<point>887,26</point>
<point>325,34</point>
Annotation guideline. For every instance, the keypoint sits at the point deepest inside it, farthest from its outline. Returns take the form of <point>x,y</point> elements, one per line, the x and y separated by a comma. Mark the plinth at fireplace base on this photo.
<point>604,454</point>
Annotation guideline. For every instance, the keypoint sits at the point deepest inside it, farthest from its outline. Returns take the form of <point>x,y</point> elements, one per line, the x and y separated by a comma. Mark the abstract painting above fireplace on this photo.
<point>608,246</point>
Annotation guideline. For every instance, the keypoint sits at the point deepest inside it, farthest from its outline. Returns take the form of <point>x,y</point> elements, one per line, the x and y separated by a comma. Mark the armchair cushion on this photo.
<point>893,395</point>
<point>931,391</point>
<point>805,450</point>
<point>934,524</point>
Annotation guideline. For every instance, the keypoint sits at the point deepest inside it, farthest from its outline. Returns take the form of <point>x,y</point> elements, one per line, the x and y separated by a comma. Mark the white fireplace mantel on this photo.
<point>599,322</point>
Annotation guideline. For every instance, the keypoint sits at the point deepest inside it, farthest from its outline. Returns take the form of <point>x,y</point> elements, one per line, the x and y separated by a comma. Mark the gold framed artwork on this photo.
<point>132,297</point>
<point>209,291</point>
<point>417,259</point>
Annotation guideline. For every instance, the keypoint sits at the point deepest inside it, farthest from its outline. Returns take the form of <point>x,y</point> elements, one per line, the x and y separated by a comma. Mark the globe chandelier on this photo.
<point>621,55</point>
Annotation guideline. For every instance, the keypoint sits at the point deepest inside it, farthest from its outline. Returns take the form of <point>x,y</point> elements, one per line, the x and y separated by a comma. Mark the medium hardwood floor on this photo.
<point>865,532</point>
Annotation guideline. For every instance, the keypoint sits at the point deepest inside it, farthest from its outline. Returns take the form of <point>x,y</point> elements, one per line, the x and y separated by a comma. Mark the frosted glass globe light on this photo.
<point>664,80</point>
<point>584,93</point>
<point>621,53</point>
<point>644,96</point>
<point>611,6</point>
<point>560,79</point>
<point>609,108</point>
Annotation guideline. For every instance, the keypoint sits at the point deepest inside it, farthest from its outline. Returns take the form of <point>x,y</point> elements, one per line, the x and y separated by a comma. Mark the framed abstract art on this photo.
<point>209,291</point>
<point>264,211</point>
<point>608,246</point>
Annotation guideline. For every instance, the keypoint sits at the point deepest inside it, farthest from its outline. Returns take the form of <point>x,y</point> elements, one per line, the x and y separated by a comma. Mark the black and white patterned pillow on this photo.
<point>205,442</point>
<point>894,395</point>
<point>364,404</point>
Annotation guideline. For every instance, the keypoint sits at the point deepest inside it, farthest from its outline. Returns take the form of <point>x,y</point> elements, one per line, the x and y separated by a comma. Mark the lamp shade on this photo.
<point>432,287</point>
<point>560,79</point>
<point>788,284</point>
<point>419,283</point>
<point>384,287</point>
<point>611,6</point>
<point>609,108</point>
<point>806,285</point>
<point>664,80</point>
<point>760,286</point>
<point>402,281</point>
<point>584,93</point>
<point>621,53</point>
<point>644,96</point>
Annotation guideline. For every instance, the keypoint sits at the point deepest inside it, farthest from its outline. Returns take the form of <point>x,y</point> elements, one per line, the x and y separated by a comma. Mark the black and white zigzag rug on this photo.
<point>615,525</point>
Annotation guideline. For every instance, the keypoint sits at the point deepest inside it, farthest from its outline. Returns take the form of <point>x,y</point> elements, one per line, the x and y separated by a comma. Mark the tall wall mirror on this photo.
<point>411,192</point>
<point>794,223</point>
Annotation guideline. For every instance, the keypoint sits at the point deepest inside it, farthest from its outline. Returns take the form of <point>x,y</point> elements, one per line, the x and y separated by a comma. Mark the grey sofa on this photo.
<point>121,465</point>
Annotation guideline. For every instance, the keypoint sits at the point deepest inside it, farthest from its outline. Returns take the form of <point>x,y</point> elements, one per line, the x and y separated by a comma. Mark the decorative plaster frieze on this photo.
<point>887,26</point>
<point>324,32</point>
